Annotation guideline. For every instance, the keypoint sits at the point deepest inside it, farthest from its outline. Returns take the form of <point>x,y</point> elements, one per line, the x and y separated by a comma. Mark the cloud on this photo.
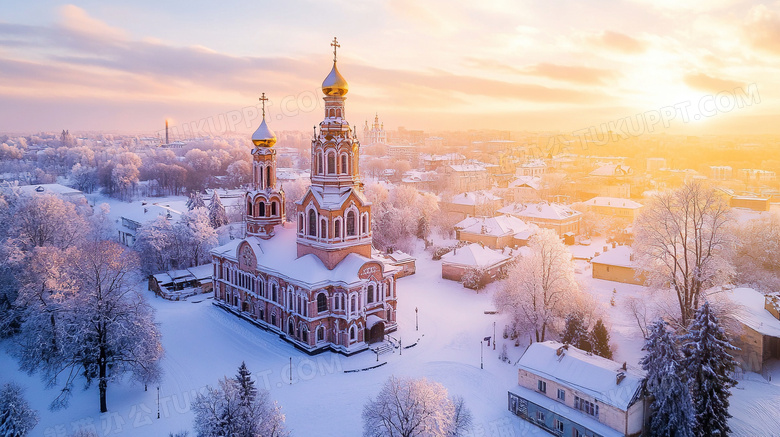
<point>75,19</point>
<point>572,73</point>
<point>618,42</point>
<point>704,82</point>
<point>763,29</point>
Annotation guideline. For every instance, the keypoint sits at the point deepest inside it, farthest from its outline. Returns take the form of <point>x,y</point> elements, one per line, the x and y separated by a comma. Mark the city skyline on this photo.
<point>494,65</point>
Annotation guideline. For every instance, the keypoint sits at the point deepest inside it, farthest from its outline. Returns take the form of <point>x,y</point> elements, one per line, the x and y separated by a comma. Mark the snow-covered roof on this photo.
<point>615,202</point>
<point>146,213</point>
<point>278,255</point>
<point>58,189</point>
<point>493,226</point>
<point>611,170</point>
<point>750,310</point>
<point>618,256</point>
<point>541,210</point>
<point>399,256</point>
<point>333,198</point>
<point>587,373</point>
<point>526,181</point>
<point>467,167</point>
<point>202,272</point>
<point>475,255</point>
<point>473,198</point>
<point>575,416</point>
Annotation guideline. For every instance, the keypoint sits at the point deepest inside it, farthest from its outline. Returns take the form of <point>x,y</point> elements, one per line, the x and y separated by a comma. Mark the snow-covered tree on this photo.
<point>709,365</point>
<point>46,220</point>
<point>541,288</point>
<point>236,408</point>
<point>575,332</point>
<point>217,215</point>
<point>414,408</point>
<point>755,259</point>
<point>239,173</point>
<point>195,236</point>
<point>683,240</point>
<point>293,192</point>
<point>156,243</point>
<point>599,338</point>
<point>195,201</point>
<point>16,416</point>
<point>672,414</point>
<point>100,329</point>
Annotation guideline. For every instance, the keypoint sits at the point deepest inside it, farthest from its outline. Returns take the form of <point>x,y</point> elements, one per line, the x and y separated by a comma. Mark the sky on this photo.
<point>557,65</point>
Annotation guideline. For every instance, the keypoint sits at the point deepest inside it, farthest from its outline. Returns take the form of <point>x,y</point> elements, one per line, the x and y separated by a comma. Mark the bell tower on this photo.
<point>264,203</point>
<point>334,217</point>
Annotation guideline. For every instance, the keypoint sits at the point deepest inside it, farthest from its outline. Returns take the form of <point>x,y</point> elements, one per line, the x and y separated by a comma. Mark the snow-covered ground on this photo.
<point>203,343</point>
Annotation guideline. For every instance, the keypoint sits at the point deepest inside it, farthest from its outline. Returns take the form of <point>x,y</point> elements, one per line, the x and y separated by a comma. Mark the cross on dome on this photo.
<point>335,44</point>
<point>263,99</point>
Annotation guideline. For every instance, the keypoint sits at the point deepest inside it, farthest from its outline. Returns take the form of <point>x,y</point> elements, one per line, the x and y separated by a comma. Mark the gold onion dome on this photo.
<point>263,136</point>
<point>335,84</point>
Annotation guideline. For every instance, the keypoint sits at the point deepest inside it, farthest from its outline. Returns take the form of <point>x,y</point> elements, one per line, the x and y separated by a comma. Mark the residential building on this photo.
<point>560,218</point>
<point>617,264</point>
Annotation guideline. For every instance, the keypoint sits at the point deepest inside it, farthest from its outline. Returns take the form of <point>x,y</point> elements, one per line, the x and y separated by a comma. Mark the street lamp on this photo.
<point>494,336</point>
<point>416,320</point>
<point>481,362</point>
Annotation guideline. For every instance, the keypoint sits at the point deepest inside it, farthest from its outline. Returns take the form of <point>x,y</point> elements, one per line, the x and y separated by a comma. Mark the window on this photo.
<point>350,223</point>
<point>576,433</point>
<point>267,177</point>
<point>364,229</point>
<point>274,294</point>
<point>561,394</point>
<point>291,327</point>
<point>331,163</point>
<point>273,209</point>
<point>261,209</point>
<point>370,294</point>
<point>586,406</point>
<point>249,207</point>
<point>322,302</point>
<point>320,334</point>
<point>312,223</point>
<point>541,386</point>
<point>300,223</point>
<point>323,229</point>
<point>319,163</point>
<point>352,305</point>
<point>261,178</point>
<point>344,164</point>
<point>558,426</point>
<point>337,229</point>
<point>539,416</point>
<point>352,333</point>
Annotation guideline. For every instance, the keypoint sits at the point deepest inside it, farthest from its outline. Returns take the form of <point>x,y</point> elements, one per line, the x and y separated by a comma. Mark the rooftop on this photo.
<point>617,202</point>
<point>619,256</point>
<point>541,210</point>
<point>750,311</point>
<point>475,255</point>
<point>494,226</point>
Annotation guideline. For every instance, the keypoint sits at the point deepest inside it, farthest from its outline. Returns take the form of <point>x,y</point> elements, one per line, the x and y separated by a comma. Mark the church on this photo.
<point>376,134</point>
<point>313,282</point>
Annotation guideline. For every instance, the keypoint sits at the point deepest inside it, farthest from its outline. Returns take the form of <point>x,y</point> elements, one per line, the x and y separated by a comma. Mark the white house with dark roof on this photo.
<point>569,392</point>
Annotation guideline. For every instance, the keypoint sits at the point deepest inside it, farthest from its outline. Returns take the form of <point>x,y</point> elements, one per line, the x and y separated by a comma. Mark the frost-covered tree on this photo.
<point>683,240</point>
<point>46,220</point>
<point>239,173</point>
<point>575,332</point>
<point>217,215</point>
<point>156,243</point>
<point>672,414</point>
<point>102,329</point>
<point>755,259</point>
<point>16,416</point>
<point>414,408</point>
<point>195,237</point>
<point>541,287</point>
<point>599,338</point>
<point>195,201</point>
<point>709,365</point>
<point>236,408</point>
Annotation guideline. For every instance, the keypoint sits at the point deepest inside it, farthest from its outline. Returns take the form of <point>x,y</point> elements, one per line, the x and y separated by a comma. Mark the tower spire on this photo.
<point>263,99</point>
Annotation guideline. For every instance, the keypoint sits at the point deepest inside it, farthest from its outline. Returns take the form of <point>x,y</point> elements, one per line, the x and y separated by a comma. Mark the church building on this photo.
<point>313,282</point>
<point>376,134</point>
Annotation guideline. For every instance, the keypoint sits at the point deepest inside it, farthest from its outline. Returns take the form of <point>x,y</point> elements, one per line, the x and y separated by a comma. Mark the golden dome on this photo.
<point>263,136</point>
<point>335,84</point>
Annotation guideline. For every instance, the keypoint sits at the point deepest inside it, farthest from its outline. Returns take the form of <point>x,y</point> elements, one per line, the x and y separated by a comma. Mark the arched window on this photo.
<point>300,223</point>
<point>273,209</point>
<point>331,163</point>
<point>267,177</point>
<point>291,327</point>
<point>323,229</point>
<point>352,333</point>
<point>353,305</point>
<point>274,293</point>
<point>322,303</point>
<point>370,294</point>
<point>319,163</point>
<point>342,302</point>
<point>337,228</point>
<point>344,164</point>
<point>364,227</point>
<point>304,334</point>
<point>312,223</point>
<point>350,223</point>
<point>249,207</point>
<point>261,209</point>
<point>320,334</point>
<point>261,178</point>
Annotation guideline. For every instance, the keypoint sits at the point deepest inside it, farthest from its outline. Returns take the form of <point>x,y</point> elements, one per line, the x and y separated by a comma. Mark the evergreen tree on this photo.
<point>247,390</point>
<point>217,214</point>
<point>195,201</point>
<point>599,339</point>
<point>671,412</point>
<point>708,365</point>
<point>16,416</point>
<point>576,332</point>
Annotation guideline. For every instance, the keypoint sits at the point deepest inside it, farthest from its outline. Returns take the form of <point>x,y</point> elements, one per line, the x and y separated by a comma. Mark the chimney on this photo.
<point>614,244</point>
<point>166,132</point>
<point>620,377</point>
<point>606,248</point>
<point>631,257</point>
<point>625,366</point>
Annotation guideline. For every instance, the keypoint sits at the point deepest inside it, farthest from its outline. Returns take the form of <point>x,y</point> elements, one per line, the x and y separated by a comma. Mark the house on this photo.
<point>60,190</point>
<point>557,217</point>
<point>617,264</point>
<point>525,188</point>
<point>181,284</point>
<point>750,202</point>
<point>614,207</point>
<point>468,177</point>
<point>402,262</point>
<point>534,168</point>
<point>569,392</point>
<point>470,204</point>
<point>494,232</point>
<point>474,256</point>
<point>135,216</point>
<point>759,339</point>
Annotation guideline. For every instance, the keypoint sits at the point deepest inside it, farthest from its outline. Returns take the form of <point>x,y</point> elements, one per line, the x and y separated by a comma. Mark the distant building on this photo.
<point>455,264</point>
<point>614,207</point>
<point>471,204</point>
<point>67,193</point>
<point>375,134</point>
<point>495,232</point>
<point>525,188</point>
<point>655,164</point>
<point>568,392</point>
<point>535,168</point>
<point>560,218</point>
<point>721,172</point>
<point>434,162</point>
<point>138,215</point>
<point>468,177</point>
<point>750,202</point>
<point>181,284</point>
<point>751,175</point>
<point>617,264</point>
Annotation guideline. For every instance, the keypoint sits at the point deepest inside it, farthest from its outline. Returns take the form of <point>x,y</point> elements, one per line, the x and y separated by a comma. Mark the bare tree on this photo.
<point>755,259</point>
<point>414,408</point>
<point>682,242</point>
<point>541,287</point>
